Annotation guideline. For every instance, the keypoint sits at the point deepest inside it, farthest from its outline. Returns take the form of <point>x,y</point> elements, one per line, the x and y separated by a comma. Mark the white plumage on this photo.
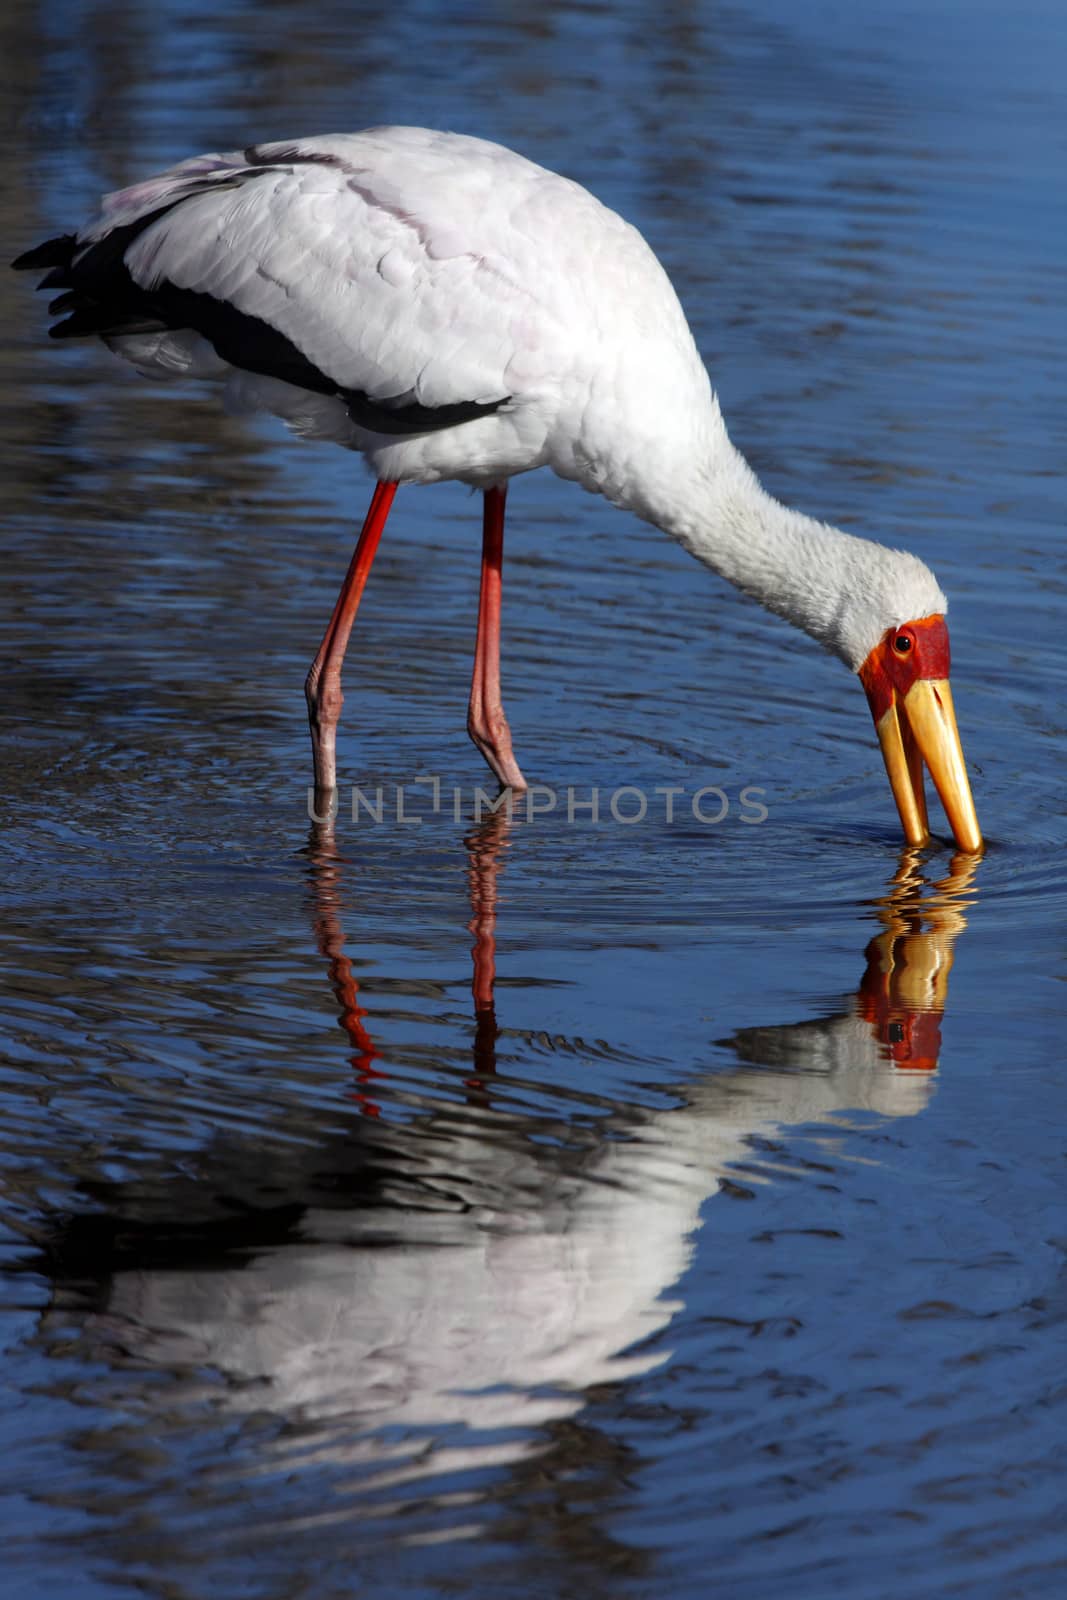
<point>441,269</point>
<point>519,1282</point>
<point>452,310</point>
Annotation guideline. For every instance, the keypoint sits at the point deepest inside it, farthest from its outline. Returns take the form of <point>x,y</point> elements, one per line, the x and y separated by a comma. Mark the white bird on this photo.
<point>495,1280</point>
<point>451,310</point>
<point>419,1295</point>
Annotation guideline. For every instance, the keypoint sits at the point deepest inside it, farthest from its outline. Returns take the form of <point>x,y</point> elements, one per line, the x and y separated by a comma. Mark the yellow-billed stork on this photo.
<point>451,310</point>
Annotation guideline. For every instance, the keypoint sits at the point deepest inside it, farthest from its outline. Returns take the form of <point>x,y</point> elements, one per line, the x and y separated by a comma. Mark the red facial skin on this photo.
<point>888,672</point>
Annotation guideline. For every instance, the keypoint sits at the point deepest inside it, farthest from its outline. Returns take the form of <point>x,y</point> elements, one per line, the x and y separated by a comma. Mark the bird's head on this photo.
<point>897,641</point>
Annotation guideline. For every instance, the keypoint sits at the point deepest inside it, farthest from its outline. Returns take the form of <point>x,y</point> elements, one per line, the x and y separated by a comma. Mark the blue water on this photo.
<point>725,1248</point>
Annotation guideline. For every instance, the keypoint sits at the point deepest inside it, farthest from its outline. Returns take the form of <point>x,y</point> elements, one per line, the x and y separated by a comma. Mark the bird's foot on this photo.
<point>490,732</point>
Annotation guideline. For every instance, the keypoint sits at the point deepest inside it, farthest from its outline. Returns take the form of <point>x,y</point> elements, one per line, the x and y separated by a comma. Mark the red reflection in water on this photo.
<point>901,995</point>
<point>903,992</point>
<point>485,845</point>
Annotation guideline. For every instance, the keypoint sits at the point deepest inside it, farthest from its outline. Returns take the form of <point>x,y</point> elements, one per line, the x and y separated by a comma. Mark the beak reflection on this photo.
<point>904,990</point>
<point>894,1018</point>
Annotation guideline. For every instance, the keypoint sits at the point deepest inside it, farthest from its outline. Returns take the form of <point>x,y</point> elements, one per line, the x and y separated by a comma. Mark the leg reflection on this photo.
<point>327,868</point>
<point>485,844</point>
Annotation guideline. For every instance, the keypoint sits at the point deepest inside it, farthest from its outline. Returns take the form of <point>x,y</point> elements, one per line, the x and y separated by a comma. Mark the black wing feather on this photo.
<point>55,252</point>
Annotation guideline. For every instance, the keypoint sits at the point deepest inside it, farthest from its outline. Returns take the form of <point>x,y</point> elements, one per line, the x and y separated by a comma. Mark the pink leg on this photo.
<point>323,686</point>
<point>486,722</point>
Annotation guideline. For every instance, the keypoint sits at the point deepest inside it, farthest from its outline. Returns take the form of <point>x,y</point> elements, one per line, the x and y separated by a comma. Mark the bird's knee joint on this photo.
<point>324,700</point>
<point>495,726</point>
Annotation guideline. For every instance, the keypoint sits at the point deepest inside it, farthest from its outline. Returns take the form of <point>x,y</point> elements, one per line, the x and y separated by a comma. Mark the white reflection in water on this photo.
<point>485,1280</point>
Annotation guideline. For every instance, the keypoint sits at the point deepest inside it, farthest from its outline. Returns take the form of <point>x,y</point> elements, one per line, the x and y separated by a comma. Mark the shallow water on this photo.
<point>549,1206</point>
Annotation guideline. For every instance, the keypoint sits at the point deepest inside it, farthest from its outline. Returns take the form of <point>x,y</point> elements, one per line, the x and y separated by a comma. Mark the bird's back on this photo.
<point>435,300</point>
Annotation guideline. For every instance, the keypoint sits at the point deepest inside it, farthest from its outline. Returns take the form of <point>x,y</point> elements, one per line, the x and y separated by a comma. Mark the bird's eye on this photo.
<point>902,644</point>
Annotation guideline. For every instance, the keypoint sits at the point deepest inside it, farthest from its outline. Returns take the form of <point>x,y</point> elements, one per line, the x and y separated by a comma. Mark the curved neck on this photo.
<point>705,495</point>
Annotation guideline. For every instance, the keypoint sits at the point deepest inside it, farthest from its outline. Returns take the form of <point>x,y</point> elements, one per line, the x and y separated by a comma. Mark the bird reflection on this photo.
<point>485,844</point>
<point>895,1015</point>
<point>326,871</point>
<point>451,1266</point>
<point>904,990</point>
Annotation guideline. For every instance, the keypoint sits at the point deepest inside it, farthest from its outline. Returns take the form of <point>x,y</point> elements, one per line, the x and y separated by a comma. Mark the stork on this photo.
<point>451,310</point>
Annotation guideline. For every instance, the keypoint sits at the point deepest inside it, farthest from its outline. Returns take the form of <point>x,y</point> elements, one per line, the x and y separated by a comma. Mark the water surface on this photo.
<point>567,1207</point>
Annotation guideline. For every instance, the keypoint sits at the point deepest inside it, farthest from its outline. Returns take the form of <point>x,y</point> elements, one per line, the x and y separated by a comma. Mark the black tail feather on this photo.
<point>57,252</point>
<point>85,320</point>
<point>58,278</point>
<point>109,321</point>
